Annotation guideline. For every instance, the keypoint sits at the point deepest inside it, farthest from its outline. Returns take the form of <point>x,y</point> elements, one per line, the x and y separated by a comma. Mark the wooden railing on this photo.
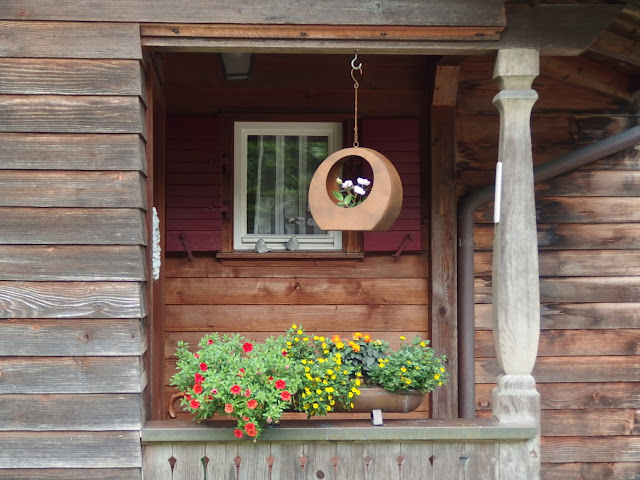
<point>429,449</point>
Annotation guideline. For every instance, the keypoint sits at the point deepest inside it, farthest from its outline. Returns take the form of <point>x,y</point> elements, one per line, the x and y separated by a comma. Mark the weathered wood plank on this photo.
<point>371,266</point>
<point>573,343</point>
<point>28,188</point>
<point>614,236</point>
<point>221,318</point>
<point>71,299</point>
<point>72,449</point>
<point>189,465</point>
<point>70,77</point>
<point>610,183</point>
<point>72,226</point>
<point>609,395</point>
<point>591,471</point>
<point>570,369</point>
<point>349,12</point>
<point>32,151</point>
<point>71,474</point>
<point>575,263</point>
<point>69,40</point>
<point>577,315</point>
<point>309,291</point>
<point>72,263</point>
<point>415,463</point>
<point>71,114</point>
<point>590,449</point>
<point>590,423</point>
<point>71,375</point>
<point>94,412</point>
<point>155,461</point>
<point>77,337</point>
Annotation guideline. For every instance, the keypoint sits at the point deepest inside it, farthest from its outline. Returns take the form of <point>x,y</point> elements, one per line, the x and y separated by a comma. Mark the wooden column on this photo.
<point>443,235</point>
<point>516,295</point>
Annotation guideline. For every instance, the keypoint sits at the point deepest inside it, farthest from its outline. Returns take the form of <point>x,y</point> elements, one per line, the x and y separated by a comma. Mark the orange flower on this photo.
<point>357,336</point>
<point>367,338</point>
<point>335,338</point>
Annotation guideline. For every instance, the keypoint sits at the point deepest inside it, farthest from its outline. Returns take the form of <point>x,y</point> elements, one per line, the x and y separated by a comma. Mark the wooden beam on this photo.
<point>615,46</point>
<point>323,32</point>
<point>587,73</point>
<point>327,12</point>
<point>444,329</point>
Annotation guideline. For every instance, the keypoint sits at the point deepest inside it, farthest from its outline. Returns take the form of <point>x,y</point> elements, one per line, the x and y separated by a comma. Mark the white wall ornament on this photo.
<point>155,249</point>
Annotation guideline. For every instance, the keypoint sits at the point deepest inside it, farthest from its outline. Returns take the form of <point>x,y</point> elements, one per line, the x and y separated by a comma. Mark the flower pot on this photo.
<point>388,402</point>
<point>377,212</point>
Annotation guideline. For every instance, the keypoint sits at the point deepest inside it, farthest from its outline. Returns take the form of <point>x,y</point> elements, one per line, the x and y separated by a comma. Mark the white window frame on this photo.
<point>242,240</point>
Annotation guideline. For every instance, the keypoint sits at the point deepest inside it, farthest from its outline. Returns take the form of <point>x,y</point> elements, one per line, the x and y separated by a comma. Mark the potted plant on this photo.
<point>254,383</point>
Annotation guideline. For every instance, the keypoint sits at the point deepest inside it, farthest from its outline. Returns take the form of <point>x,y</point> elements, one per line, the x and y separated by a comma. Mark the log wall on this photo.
<point>588,367</point>
<point>72,250</point>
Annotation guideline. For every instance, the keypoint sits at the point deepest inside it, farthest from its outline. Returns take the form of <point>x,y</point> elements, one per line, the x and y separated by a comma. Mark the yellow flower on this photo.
<point>325,351</point>
<point>297,339</point>
<point>339,345</point>
<point>299,332</point>
<point>403,369</point>
<point>315,405</point>
<point>307,369</point>
<point>318,391</point>
<point>422,344</point>
<point>321,339</point>
<point>321,360</point>
<point>350,395</point>
<point>439,384</point>
<point>303,361</point>
<point>381,365</point>
<point>442,369</point>
<point>436,376</point>
<point>305,339</point>
<point>408,381</point>
<point>329,389</point>
<point>402,337</point>
<point>332,402</point>
<point>328,408</point>
<point>357,382</point>
<point>367,338</point>
<point>329,372</point>
<point>357,336</point>
<point>417,367</point>
<point>294,326</point>
<point>315,337</point>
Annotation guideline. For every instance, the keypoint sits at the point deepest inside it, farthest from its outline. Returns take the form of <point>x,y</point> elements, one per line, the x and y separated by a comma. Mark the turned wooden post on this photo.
<point>516,292</point>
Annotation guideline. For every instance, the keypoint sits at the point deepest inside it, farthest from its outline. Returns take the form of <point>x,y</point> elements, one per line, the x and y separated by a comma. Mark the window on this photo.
<point>274,163</point>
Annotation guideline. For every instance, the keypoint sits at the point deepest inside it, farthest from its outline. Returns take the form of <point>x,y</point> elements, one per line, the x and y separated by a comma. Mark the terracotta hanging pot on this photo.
<point>377,212</point>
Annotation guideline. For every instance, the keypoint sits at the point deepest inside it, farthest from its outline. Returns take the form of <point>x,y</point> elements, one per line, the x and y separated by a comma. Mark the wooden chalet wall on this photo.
<point>378,293</point>
<point>588,233</point>
<point>72,250</point>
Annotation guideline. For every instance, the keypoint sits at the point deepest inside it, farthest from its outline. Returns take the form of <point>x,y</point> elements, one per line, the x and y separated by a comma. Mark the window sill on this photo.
<point>279,255</point>
<point>462,430</point>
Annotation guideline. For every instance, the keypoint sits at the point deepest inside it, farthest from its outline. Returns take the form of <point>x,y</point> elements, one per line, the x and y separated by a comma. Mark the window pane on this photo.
<point>279,170</point>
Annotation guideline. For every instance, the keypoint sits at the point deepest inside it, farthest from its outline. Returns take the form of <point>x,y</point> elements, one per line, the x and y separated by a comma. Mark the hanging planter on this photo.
<point>377,212</point>
<point>381,207</point>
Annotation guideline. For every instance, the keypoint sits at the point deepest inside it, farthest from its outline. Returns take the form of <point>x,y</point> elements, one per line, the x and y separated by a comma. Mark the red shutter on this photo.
<point>193,183</point>
<point>399,141</point>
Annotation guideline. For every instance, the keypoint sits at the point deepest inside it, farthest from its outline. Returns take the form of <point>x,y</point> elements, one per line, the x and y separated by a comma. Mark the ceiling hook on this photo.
<point>353,63</point>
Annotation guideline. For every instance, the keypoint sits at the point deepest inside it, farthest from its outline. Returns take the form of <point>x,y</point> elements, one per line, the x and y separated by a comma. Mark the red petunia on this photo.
<point>228,408</point>
<point>280,384</point>
<point>284,353</point>
<point>252,433</point>
<point>210,342</point>
<point>197,388</point>
<point>286,396</point>
<point>203,367</point>
<point>195,355</point>
<point>247,393</point>
<point>251,404</point>
<point>249,426</point>
<point>236,390</point>
<point>238,433</point>
<point>247,347</point>
<point>194,403</point>
<point>198,378</point>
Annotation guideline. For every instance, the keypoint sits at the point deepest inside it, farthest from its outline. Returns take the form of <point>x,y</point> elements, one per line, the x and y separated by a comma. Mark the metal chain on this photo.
<point>356,85</point>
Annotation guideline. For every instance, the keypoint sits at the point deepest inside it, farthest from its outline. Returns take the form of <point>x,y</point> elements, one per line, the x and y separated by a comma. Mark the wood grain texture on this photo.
<point>77,337</point>
<point>408,265</point>
<point>563,396</point>
<point>29,76</point>
<point>71,300</point>
<point>579,183</point>
<point>72,449</point>
<point>90,412</point>
<point>308,291</point>
<point>575,315</point>
<point>590,423</point>
<point>72,226</point>
<point>68,375</point>
<point>72,263</point>
<point>590,471</point>
<point>350,12</point>
<point>71,114</point>
<point>590,449</point>
<point>31,151</point>
<point>70,473</point>
<point>570,369</point>
<point>28,188</point>
<point>70,40</point>
<point>278,318</point>
<point>573,343</point>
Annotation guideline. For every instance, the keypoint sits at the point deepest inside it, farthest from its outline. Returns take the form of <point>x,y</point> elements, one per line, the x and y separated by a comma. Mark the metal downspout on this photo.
<point>466,208</point>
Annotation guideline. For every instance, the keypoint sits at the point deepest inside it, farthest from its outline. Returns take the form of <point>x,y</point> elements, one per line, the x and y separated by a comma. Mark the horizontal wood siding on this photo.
<point>381,295</point>
<point>72,251</point>
<point>588,366</point>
